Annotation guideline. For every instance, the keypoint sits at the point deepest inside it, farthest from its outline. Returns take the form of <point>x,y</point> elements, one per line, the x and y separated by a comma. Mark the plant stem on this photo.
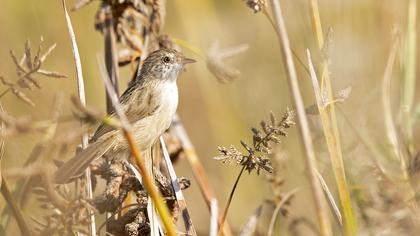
<point>82,98</point>
<point>197,167</point>
<point>257,147</point>
<point>151,188</point>
<point>179,196</point>
<point>277,210</point>
<point>23,226</point>
<point>213,218</point>
<point>225,211</point>
<point>320,204</point>
<point>330,128</point>
<point>111,60</point>
<point>5,92</point>
<point>409,72</point>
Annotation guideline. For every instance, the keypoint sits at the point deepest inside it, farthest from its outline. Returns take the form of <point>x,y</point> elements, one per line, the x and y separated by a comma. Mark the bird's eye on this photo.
<point>166,59</point>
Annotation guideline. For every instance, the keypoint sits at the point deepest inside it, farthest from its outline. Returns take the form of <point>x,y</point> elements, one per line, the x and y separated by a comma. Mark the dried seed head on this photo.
<point>256,5</point>
<point>216,62</point>
<point>263,141</point>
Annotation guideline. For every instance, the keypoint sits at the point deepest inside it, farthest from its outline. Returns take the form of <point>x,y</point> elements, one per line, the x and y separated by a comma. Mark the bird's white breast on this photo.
<point>149,129</point>
<point>169,97</point>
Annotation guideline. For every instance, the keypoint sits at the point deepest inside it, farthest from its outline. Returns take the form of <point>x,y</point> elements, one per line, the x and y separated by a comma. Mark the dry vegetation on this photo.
<point>343,160</point>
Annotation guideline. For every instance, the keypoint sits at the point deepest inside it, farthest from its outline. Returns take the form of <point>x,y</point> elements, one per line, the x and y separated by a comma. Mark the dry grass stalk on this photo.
<point>321,106</point>
<point>392,133</point>
<point>23,226</point>
<point>277,210</point>
<point>330,127</point>
<point>214,216</point>
<point>197,167</point>
<point>190,230</point>
<point>333,206</point>
<point>409,73</point>
<point>111,59</point>
<point>321,208</point>
<point>82,98</point>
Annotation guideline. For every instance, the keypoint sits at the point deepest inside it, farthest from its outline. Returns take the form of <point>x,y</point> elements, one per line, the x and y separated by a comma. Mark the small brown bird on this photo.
<point>149,103</point>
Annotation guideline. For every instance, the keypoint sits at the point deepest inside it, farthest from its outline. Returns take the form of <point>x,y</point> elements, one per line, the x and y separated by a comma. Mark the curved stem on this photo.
<point>225,211</point>
<point>277,210</point>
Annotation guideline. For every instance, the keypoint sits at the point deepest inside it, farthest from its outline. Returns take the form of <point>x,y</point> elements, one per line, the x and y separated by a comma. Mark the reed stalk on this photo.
<point>320,203</point>
<point>330,128</point>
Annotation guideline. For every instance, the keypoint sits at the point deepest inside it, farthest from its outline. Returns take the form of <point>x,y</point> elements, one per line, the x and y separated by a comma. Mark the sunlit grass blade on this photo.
<point>409,71</point>
<point>331,132</point>
<point>319,200</point>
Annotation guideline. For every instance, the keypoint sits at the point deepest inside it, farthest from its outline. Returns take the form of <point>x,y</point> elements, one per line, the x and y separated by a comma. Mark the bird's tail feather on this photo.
<point>149,157</point>
<point>79,163</point>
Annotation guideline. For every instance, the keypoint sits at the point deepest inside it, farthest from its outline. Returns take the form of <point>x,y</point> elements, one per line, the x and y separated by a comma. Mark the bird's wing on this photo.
<point>138,101</point>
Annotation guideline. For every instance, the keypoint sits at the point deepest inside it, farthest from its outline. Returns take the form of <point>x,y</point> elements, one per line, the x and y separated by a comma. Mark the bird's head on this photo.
<point>164,64</point>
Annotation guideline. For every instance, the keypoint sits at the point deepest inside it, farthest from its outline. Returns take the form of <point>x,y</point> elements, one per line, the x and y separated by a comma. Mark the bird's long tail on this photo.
<point>150,155</point>
<point>79,163</point>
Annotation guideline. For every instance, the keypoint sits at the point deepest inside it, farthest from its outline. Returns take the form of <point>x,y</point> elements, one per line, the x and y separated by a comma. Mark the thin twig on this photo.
<point>110,48</point>
<point>331,200</point>
<point>189,226</point>
<point>111,60</point>
<point>197,167</point>
<point>5,92</point>
<point>82,98</point>
<point>277,210</point>
<point>23,226</point>
<point>225,211</point>
<point>321,208</point>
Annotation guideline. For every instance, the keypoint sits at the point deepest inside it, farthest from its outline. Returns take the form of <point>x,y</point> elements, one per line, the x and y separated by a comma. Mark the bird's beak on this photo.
<point>186,60</point>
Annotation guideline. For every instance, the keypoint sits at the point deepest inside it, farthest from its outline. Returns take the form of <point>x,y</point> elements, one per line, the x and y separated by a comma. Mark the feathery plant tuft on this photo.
<point>27,66</point>
<point>263,140</point>
<point>256,157</point>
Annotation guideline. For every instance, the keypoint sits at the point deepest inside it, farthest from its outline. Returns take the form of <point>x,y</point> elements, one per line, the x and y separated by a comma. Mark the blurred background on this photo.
<point>361,35</point>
